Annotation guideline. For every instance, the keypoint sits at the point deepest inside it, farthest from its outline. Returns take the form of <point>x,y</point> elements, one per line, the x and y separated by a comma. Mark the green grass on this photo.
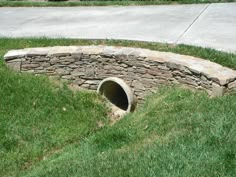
<point>48,130</point>
<point>38,118</point>
<point>19,3</point>
<point>175,133</point>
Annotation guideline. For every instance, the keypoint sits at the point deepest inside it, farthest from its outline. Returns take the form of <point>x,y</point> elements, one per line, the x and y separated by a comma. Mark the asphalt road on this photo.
<point>206,25</point>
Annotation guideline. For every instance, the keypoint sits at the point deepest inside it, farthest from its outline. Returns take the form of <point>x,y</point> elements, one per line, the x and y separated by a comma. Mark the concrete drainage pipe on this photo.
<point>118,93</point>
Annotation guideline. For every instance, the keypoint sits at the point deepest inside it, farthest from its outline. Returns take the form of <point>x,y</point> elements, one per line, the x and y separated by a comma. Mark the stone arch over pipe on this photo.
<point>143,70</point>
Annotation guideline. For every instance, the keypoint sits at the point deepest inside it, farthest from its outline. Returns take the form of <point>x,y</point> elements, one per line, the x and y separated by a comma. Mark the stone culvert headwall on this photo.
<point>142,69</point>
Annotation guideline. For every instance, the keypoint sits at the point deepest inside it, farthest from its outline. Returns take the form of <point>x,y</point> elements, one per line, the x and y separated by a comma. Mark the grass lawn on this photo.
<point>56,3</point>
<point>48,130</point>
<point>38,118</point>
<point>175,133</point>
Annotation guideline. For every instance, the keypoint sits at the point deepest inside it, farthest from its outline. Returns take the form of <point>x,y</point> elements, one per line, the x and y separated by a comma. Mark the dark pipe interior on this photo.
<point>115,94</point>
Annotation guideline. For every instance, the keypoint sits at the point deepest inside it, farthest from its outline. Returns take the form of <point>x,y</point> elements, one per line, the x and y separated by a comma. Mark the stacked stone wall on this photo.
<point>143,70</point>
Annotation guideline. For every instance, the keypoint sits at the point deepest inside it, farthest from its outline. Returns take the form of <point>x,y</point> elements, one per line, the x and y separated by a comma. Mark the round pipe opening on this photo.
<point>118,93</point>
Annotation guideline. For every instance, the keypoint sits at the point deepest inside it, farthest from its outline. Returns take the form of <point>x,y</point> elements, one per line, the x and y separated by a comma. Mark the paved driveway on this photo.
<point>207,25</point>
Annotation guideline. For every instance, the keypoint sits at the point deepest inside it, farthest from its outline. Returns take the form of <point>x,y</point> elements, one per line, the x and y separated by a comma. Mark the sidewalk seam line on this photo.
<point>192,23</point>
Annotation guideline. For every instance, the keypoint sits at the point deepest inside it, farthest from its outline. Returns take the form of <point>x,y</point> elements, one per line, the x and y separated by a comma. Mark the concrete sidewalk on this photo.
<point>207,25</point>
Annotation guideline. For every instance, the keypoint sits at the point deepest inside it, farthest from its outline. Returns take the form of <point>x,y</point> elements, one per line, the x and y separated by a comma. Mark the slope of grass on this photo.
<point>223,58</point>
<point>175,133</point>
<point>61,3</point>
<point>38,118</point>
<point>47,130</point>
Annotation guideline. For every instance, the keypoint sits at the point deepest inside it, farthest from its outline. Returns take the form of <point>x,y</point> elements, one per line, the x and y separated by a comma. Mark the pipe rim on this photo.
<point>126,89</point>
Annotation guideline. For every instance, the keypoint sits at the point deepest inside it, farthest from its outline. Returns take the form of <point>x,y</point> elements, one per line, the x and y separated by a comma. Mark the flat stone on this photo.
<point>141,71</point>
<point>78,81</point>
<point>232,85</point>
<point>178,73</point>
<point>68,77</point>
<point>137,85</point>
<point>188,81</point>
<point>15,60</point>
<point>109,51</point>
<point>206,86</point>
<point>45,64</point>
<point>92,82</point>
<point>154,72</point>
<point>85,85</point>
<point>203,78</point>
<point>134,52</point>
<point>40,72</point>
<point>39,51</point>
<point>67,59</point>
<point>148,76</point>
<point>15,65</point>
<point>172,65</point>
<point>163,67</point>
<point>90,72</point>
<point>128,51</point>
<point>12,54</point>
<point>62,71</point>
<point>93,87</point>
<point>113,68</point>
<point>87,50</point>
<point>62,50</point>
<point>30,71</point>
<point>217,90</point>
<point>148,83</point>
<point>31,65</point>
<point>123,65</point>
<point>41,59</point>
